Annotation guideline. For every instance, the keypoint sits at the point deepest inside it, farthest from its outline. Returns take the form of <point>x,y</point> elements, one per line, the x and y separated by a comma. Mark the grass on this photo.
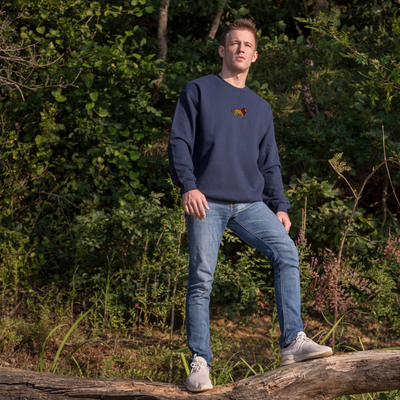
<point>392,395</point>
<point>43,336</point>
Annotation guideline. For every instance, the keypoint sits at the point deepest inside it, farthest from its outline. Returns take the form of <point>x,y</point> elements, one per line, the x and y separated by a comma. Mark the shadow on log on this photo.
<point>326,378</point>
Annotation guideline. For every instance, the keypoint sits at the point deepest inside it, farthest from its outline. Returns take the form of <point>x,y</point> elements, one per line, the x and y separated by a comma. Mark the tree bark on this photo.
<point>162,47</point>
<point>214,27</point>
<point>215,24</point>
<point>326,378</point>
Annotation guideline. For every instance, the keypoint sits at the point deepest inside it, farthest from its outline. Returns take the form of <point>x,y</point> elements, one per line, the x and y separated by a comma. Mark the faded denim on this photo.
<point>258,226</point>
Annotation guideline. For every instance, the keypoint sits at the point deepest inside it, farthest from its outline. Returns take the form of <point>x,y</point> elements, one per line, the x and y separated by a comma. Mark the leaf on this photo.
<point>24,35</point>
<point>149,9</point>
<point>133,175</point>
<point>281,25</point>
<point>61,98</point>
<point>59,350</point>
<point>250,368</point>
<point>185,363</point>
<point>88,79</point>
<point>102,112</point>
<point>333,328</point>
<point>56,92</point>
<point>39,140</point>
<point>93,96</point>
<point>134,155</point>
<point>88,82</point>
<point>115,92</point>
<point>43,346</point>
<point>89,106</point>
<point>40,29</point>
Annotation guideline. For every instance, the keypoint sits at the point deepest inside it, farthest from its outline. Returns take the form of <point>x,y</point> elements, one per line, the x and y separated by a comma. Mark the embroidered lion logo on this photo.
<point>241,112</point>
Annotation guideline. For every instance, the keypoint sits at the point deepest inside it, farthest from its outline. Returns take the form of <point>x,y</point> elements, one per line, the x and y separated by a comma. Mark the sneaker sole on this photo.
<point>202,389</point>
<point>290,359</point>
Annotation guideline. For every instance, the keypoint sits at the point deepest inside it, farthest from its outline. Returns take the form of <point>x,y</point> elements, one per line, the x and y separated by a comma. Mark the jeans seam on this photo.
<point>280,268</point>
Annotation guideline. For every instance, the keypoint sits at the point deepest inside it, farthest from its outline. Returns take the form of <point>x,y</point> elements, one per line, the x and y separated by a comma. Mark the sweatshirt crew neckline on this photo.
<point>243,89</point>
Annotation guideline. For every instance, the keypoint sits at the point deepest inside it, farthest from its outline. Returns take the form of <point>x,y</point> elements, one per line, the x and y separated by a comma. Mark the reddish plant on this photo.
<point>333,284</point>
<point>392,250</point>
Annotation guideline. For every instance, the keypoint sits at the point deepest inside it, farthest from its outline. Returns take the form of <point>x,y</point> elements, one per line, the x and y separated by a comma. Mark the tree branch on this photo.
<point>326,378</point>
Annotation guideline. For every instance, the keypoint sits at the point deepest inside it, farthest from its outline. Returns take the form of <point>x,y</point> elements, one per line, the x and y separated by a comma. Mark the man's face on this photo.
<point>239,50</point>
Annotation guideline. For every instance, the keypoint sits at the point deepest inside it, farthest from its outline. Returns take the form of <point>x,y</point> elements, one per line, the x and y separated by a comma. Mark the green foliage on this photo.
<point>383,304</point>
<point>239,281</point>
<point>383,73</point>
<point>86,204</point>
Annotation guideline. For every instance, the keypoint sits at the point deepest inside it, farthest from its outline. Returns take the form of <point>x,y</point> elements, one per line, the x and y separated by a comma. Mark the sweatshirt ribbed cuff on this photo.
<point>281,207</point>
<point>189,185</point>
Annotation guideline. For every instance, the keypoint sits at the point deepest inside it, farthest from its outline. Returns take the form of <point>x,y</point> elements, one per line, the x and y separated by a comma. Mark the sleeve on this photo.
<point>270,167</point>
<point>181,142</point>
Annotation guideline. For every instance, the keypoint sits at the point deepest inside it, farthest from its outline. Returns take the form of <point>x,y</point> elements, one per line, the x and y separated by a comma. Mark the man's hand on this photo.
<point>284,218</point>
<point>194,202</point>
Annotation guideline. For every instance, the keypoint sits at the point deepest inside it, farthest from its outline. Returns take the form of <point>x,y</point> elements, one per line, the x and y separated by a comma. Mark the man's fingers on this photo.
<point>194,202</point>
<point>197,210</point>
<point>284,218</point>
<point>192,209</point>
<point>200,209</point>
<point>286,224</point>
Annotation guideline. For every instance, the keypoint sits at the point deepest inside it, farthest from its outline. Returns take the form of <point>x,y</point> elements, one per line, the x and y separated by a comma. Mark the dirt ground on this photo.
<point>253,339</point>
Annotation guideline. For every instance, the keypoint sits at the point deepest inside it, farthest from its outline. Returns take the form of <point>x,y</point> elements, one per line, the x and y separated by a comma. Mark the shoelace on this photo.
<point>197,366</point>
<point>301,337</point>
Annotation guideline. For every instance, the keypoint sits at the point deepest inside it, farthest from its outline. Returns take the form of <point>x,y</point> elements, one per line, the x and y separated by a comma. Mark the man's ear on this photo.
<point>221,51</point>
<point>255,56</point>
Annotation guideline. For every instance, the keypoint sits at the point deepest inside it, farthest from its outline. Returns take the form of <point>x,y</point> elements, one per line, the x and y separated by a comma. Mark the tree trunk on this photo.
<point>215,24</point>
<point>326,378</point>
<point>214,27</point>
<point>162,47</point>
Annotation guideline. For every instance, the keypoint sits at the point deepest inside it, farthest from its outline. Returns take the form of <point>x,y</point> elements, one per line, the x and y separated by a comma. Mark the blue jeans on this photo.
<point>258,226</point>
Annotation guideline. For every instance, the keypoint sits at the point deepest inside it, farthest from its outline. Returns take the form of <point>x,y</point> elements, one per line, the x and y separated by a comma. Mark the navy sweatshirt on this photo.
<point>222,143</point>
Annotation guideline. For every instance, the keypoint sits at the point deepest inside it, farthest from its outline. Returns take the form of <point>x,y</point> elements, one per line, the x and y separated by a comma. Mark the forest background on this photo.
<point>90,222</point>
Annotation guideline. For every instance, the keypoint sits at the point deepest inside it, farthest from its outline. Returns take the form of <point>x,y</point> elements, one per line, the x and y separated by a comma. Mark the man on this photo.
<point>223,155</point>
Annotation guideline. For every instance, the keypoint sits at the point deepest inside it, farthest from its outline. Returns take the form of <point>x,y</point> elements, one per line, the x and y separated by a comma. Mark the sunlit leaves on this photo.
<point>58,96</point>
<point>384,68</point>
<point>93,96</point>
<point>102,112</point>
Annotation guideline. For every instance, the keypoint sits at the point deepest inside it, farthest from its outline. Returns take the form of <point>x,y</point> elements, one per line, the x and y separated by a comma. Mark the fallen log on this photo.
<point>326,378</point>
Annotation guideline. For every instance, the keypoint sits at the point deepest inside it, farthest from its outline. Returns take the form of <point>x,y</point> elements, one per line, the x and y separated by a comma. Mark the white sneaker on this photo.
<point>303,348</point>
<point>199,378</point>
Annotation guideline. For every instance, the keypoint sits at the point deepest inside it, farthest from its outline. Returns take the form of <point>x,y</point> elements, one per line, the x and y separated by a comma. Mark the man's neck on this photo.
<point>235,79</point>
